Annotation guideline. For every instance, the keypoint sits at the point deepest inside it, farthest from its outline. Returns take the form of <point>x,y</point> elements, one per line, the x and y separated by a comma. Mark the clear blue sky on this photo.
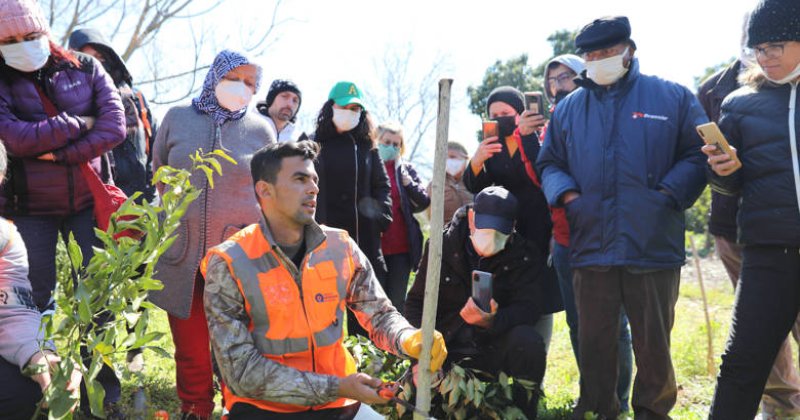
<point>328,41</point>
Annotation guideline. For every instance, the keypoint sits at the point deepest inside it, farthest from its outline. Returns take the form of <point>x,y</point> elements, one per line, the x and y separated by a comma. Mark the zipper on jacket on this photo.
<point>793,141</point>
<point>305,312</point>
<point>355,191</point>
<point>71,189</point>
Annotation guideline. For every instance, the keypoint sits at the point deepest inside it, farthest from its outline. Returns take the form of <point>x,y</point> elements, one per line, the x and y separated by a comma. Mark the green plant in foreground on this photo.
<point>463,393</point>
<point>114,285</point>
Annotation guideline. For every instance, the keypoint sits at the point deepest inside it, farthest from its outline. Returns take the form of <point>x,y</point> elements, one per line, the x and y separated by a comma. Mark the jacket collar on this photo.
<point>727,82</point>
<point>313,235</point>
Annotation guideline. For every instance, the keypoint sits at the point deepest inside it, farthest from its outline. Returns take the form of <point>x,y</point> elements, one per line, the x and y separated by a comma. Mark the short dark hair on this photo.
<point>266,162</point>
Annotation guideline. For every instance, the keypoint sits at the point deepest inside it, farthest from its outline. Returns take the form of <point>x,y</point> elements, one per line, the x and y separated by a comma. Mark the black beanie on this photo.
<point>282,85</point>
<point>774,21</point>
<point>508,95</point>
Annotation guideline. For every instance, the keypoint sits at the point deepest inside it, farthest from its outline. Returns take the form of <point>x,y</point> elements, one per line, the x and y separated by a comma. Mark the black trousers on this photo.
<point>18,393</point>
<point>243,411</point>
<point>767,302</point>
<point>649,301</point>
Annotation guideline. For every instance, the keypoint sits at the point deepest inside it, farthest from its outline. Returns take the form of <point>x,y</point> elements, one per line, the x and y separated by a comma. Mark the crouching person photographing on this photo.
<point>275,300</point>
<point>481,245</point>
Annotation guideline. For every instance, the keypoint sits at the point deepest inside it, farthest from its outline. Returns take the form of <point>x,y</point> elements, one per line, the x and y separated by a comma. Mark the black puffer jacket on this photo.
<point>354,193</point>
<point>518,271</point>
<point>756,120</point>
<point>711,94</point>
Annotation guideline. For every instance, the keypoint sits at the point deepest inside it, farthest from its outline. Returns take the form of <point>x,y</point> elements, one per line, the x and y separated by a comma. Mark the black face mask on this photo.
<point>506,126</point>
<point>561,94</point>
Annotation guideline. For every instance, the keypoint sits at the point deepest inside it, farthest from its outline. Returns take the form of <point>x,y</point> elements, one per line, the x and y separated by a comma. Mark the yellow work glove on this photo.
<point>413,347</point>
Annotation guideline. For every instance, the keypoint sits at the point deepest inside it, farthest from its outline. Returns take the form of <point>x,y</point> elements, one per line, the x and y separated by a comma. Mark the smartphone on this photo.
<point>712,135</point>
<point>482,289</point>
<point>534,102</point>
<point>489,129</point>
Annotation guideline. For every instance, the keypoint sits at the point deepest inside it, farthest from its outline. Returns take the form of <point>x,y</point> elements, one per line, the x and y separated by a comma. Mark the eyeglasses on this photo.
<point>771,51</point>
<point>560,79</point>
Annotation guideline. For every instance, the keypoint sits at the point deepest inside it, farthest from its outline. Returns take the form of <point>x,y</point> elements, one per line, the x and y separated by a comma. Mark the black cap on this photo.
<point>774,21</point>
<point>278,86</point>
<point>603,33</point>
<point>495,208</point>
<point>508,95</point>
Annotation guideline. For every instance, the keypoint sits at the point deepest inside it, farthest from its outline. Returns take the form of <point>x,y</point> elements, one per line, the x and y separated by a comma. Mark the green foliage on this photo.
<point>114,285</point>
<point>463,393</point>
<point>709,71</point>
<point>563,42</point>
<point>517,73</point>
<point>514,72</point>
<point>697,215</point>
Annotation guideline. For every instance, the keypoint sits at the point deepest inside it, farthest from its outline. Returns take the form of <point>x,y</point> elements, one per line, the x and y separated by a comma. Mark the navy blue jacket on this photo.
<point>755,120</point>
<point>618,147</point>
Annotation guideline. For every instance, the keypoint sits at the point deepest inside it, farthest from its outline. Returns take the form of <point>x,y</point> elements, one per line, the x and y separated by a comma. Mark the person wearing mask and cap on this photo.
<point>354,190</point>
<point>456,193</point>
<point>502,338</point>
<point>559,75</point>
<point>58,111</point>
<point>280,109</point>
<point>217,119</point>
<point>507,161</point>
<point>760,122</point>
<point>132,165</point>
<point>621,154</point>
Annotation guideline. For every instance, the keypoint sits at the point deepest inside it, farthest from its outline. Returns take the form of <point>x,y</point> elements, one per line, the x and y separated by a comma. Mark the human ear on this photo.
<point>264,190</point>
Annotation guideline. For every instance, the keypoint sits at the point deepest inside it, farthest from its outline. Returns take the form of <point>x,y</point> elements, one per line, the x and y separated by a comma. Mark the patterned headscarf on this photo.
<point>225,61</point>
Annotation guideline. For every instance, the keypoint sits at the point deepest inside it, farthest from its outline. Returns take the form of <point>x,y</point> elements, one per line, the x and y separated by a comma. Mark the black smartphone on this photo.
<point>482,289</point>
<point>534,102</point>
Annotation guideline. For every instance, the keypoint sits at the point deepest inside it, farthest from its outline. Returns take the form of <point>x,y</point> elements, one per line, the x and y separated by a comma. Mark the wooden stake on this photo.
<point>431,299</point>
<point>711,367</point>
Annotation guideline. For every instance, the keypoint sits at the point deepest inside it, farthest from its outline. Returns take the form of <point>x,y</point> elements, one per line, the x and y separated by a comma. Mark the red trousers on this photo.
<point>193,369</point>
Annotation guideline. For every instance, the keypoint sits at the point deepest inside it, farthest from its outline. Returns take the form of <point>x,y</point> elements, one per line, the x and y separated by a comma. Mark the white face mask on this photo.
<point>233,95</point>
<point>27,56</point>
<point>454,166</point>
<point>488,242</point>
<point>789,77</point>
<point>608,70</point>
<point>345,119</point>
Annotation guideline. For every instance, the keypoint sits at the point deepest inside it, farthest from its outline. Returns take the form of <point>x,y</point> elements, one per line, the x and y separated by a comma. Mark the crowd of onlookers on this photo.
<point>582,212</point>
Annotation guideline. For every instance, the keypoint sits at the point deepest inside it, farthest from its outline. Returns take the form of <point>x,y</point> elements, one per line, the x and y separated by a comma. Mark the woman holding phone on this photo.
<point>761,123</point>
<point>506,159</point>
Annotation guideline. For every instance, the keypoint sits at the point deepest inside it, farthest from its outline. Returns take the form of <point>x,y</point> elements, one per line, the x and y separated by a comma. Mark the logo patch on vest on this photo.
<point>327,297</point>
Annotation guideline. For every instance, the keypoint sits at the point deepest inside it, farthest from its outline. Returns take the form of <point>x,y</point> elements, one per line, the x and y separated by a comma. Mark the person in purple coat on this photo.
<point>45,194</point>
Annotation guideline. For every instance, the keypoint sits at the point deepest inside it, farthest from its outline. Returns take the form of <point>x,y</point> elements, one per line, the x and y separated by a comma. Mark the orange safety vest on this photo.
<point>298,327</point>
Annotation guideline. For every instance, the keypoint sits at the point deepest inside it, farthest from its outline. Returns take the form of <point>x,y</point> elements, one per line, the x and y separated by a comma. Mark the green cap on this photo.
<point>346,93</point>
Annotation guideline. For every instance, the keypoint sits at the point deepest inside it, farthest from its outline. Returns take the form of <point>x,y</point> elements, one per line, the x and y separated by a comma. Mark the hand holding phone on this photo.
<point>712,136</point>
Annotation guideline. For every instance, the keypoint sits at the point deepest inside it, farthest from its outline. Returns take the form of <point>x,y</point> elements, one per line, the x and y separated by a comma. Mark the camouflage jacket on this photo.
<point>249,374</point>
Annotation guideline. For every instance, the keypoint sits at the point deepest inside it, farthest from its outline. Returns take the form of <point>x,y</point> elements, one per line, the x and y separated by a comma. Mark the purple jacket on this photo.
<point>38,187</point>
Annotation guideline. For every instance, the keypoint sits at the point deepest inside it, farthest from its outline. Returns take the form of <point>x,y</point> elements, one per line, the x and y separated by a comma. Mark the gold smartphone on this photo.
<point>712,135</point>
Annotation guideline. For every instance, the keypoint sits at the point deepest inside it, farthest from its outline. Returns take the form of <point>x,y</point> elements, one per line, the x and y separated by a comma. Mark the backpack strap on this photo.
<point>148,130</point>
<point>526,161</point>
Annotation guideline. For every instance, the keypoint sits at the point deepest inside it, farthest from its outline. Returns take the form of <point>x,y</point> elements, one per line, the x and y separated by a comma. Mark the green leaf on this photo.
<point>209,175</point>
<point>84,312</point>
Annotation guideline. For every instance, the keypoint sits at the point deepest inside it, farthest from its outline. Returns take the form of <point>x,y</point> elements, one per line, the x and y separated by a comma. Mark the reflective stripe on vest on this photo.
<point>247,270</point>
<point>286,319</point>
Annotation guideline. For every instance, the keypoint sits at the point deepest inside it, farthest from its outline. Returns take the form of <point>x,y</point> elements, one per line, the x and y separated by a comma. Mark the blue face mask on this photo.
<point>388,152</point>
